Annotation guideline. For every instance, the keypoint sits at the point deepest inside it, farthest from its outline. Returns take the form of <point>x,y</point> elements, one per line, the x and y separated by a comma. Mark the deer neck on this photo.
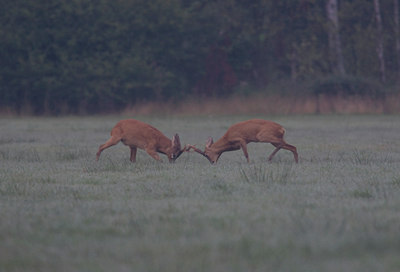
<point>223,145</point>
<point>164,145</point>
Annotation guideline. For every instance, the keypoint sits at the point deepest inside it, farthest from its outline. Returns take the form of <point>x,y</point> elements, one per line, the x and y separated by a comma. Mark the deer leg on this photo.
<point>133,153</point>
<point>153,154</point>
<point>243,145</point>
<point>287,147</point>
<point>112,141</point>
<point>293,149</point>
<point>278,147</point>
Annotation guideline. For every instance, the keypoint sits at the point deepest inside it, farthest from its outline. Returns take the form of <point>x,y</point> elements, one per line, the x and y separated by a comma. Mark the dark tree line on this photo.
<point>71,56</point>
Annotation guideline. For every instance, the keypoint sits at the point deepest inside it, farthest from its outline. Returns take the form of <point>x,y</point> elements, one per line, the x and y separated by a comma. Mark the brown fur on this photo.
<point>137,134</point>
<point>240,134</point>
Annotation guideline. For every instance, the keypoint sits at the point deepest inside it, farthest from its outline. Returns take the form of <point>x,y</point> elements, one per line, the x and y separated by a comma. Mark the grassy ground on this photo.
<point>337,210</point>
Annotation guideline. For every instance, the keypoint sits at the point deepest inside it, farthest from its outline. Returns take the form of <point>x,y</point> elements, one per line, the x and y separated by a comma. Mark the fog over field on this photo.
<point>338,209</point>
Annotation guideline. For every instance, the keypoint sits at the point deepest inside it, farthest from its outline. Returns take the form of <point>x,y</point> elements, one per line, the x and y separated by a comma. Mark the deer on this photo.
<point>137,134</point>
<point>240,134</point>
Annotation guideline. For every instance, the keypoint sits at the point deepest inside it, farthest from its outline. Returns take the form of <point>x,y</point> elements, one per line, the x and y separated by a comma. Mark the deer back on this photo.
<point>252,130</point>
<point>136,133</point>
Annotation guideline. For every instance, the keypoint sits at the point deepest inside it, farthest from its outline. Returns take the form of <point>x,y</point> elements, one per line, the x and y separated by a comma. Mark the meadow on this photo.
<point>338,209</point>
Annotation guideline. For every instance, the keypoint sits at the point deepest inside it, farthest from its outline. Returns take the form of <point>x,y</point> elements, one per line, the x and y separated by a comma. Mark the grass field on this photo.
<point>337,210</point>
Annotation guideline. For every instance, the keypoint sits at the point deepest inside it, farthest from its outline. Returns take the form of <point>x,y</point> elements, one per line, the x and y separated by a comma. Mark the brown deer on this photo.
<point>240,134</point>
<point>137,134</point>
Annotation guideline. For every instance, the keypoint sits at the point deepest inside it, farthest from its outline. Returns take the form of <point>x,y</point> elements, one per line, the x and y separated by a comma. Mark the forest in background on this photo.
<point>93,56</point>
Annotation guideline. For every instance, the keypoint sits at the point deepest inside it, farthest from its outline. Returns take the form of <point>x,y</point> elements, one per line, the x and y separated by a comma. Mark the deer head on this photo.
<point>176,149</point>
<point>211,155</point>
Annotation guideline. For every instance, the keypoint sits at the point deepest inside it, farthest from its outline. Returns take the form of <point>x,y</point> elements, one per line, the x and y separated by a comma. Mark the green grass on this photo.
<point>337,210</point>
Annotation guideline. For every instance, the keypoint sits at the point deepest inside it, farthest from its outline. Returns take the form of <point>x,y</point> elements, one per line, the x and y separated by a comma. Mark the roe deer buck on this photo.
<point>240,134</point>
<point>137,134</point>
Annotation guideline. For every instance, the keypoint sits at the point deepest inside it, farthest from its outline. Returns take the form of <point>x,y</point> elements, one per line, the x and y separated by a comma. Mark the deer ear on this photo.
<point>210,141</point>
<point>175,140</point>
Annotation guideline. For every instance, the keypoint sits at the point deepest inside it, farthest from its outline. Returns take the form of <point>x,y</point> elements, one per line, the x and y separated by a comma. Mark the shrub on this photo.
<point>347,86</point>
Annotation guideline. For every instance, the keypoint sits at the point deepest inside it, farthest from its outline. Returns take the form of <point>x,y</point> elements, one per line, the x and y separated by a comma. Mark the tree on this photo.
<point>397,35</point>
<point>379,40</point>
<point>88,56</point>
<point>335,46</point>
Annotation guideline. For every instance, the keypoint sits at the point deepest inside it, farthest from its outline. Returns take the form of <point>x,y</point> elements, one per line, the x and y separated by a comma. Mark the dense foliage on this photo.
<point>86,55</point>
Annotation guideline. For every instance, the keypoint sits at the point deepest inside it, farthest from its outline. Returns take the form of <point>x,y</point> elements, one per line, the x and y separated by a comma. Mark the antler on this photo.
<point>195,149</point>
<point>198,151</point>
<point>184,149</point>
